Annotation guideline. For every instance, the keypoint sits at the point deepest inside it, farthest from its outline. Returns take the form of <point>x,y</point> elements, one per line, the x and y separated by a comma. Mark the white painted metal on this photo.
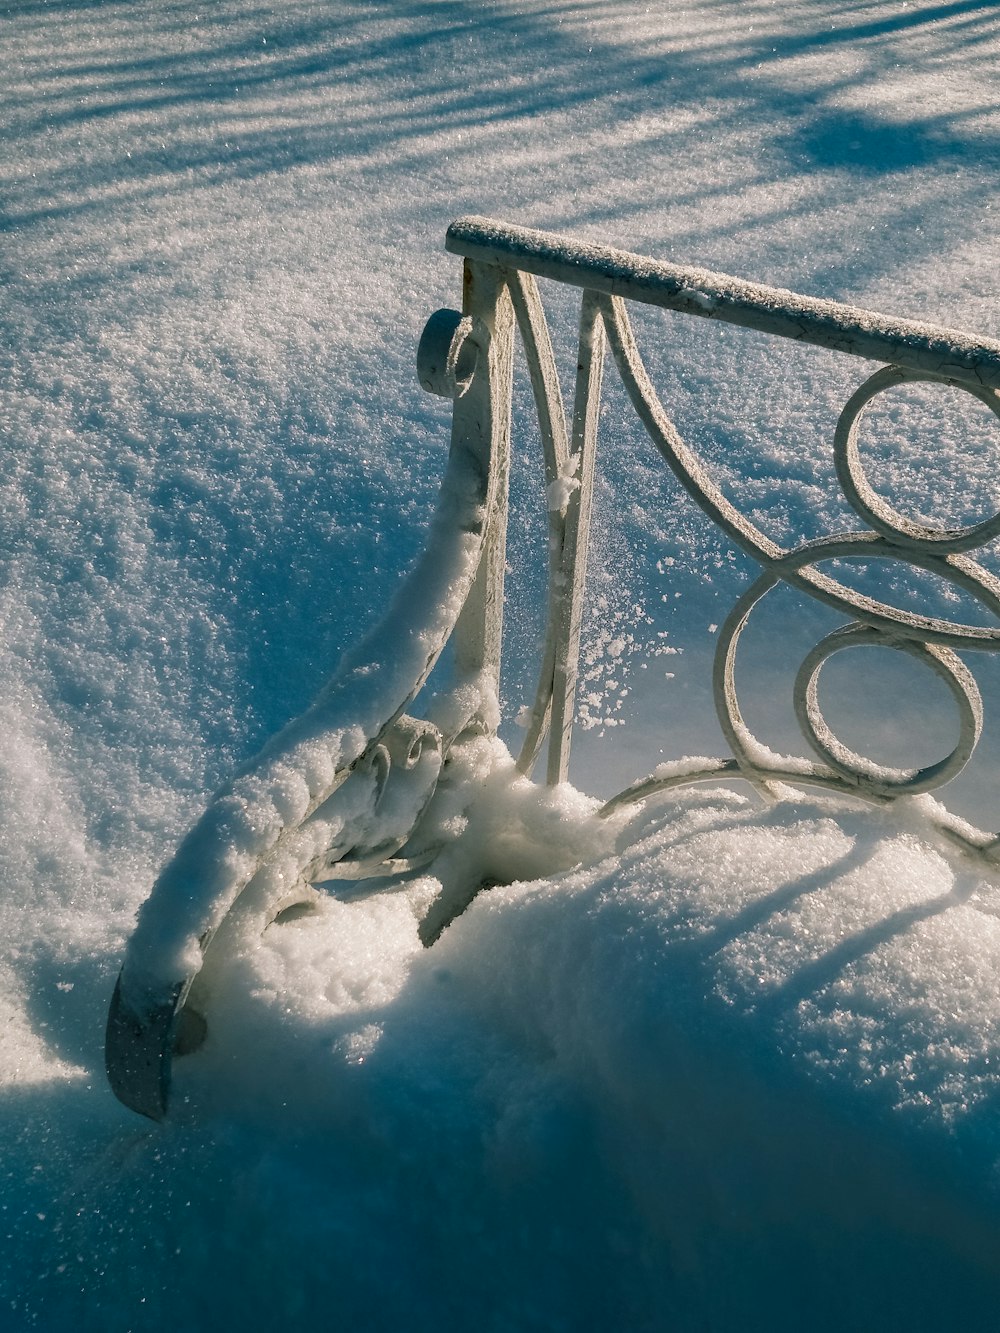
<point>345,790</point>
<point>555,450</point>
<point>949,353</point>
<point>916,352</point>
<point>485,402</point>
<point>865,501</point>
<point>571,576</point>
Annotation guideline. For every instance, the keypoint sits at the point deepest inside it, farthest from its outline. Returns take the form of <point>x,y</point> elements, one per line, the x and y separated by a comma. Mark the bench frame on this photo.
<point>350,790</point>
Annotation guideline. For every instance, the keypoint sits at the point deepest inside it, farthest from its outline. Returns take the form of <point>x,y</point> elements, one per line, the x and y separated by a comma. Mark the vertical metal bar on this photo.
<point>555,449</point>
<point>481,421</point>
<point>573,565</point>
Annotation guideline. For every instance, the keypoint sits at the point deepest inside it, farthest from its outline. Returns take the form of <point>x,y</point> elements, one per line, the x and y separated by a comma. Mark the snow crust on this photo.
<point>709,1066</point>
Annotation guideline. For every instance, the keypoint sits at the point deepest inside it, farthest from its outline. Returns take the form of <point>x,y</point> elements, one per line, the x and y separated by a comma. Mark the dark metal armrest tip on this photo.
<point>138,1054</point>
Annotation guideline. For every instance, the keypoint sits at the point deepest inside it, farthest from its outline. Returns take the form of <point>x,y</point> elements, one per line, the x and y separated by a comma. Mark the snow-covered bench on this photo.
<point>359,788</point>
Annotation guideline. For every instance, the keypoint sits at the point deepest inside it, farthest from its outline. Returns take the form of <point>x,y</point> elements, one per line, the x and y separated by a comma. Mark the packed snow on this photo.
<point>707,1063</point>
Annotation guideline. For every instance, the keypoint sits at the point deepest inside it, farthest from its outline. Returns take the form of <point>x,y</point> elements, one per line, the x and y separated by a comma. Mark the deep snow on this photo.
<point>737,1071</point>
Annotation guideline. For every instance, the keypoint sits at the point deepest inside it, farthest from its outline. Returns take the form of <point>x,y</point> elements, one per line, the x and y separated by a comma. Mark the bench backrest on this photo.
<point>501,265</point>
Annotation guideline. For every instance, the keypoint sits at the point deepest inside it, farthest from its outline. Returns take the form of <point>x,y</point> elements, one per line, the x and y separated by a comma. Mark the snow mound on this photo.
<point>741,1065</point>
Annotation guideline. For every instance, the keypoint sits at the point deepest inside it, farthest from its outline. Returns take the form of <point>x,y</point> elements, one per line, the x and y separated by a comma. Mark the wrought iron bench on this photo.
<point>357,787</point>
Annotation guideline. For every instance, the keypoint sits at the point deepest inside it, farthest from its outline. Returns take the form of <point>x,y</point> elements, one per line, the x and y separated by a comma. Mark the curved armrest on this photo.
<point>311,792</point>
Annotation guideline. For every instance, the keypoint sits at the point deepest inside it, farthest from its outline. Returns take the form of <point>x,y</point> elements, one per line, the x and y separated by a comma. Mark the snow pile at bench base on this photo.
<point>739,1071</point>
<point>741,1074</point>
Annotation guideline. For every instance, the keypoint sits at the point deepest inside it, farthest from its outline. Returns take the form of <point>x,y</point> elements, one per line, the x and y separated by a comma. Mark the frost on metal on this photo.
<point>359,788</point>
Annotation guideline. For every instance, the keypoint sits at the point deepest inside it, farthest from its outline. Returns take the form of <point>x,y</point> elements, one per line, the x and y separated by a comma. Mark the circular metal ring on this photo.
<point>863,498</point>
<point>756,762</point>
<point>447,354</point>
<point>879,778</point>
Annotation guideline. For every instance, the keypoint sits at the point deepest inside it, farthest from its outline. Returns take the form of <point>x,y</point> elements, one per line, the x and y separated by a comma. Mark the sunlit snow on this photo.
<point>711,1064</point>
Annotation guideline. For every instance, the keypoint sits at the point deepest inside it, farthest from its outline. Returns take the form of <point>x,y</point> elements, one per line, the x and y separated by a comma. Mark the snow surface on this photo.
<point>736,1070</point>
